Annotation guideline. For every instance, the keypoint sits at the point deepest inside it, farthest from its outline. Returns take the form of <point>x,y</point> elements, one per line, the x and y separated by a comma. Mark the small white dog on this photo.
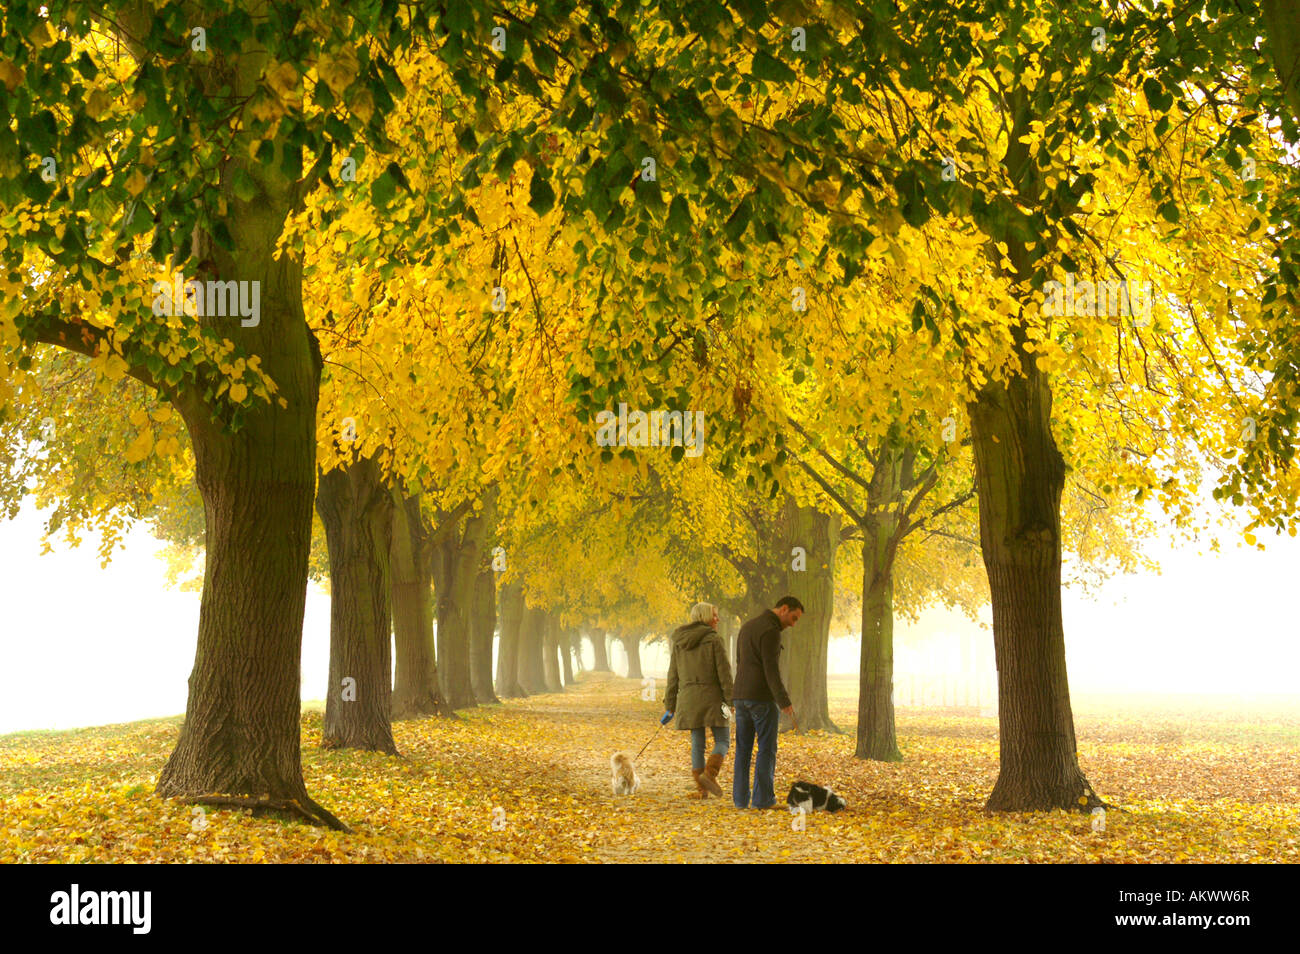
<point>625,780</point>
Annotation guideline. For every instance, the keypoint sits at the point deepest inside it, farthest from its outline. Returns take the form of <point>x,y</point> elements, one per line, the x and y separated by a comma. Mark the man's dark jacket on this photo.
<point>758,654</point>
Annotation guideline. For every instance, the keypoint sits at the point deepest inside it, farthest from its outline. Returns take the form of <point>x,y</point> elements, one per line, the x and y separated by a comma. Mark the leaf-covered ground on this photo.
<point>1197,784</point>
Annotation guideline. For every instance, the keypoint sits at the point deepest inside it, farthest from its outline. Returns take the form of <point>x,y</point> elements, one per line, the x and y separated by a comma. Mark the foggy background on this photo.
<point>84,646</point>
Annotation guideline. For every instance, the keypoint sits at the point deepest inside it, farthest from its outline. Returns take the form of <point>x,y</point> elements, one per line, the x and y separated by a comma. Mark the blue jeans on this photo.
<point>755,720</point>
<point>721,740</point>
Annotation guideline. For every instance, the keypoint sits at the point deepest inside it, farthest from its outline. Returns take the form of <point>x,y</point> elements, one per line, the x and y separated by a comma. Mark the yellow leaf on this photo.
<point>114,368</point>
<point>136,182</point>
<point>10,74</point>
<point>140,447</point>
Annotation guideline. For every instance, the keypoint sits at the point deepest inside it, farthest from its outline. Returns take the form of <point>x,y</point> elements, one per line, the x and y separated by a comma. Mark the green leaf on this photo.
<point>541,197</point>
<point>244,187</point>
<point>679,214</point>
<point>768,67</point>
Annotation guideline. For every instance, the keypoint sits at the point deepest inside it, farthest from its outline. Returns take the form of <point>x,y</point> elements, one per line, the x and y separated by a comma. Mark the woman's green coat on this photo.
<point>699,677</point>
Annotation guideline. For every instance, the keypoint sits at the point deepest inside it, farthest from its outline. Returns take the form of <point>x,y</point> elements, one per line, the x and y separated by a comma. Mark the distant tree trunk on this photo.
<point>877,737</point>
<point>532,635</point>
<point>455,596</point>
<point>357,511</point>
<point>632,646</point>
<point>599,650</point>
<point>804,660</point>
<point>416,692</point>
<point>456,567</point>
<point>551,654</point>
<point>575,646</point>
<point>877,732</point>
<point>512,612</point>
<point>484,631</point>
<point>566,658</point>
<point>727,630</point>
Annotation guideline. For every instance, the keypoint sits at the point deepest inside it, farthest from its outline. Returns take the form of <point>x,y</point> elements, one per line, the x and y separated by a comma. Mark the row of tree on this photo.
<point>828,230</point>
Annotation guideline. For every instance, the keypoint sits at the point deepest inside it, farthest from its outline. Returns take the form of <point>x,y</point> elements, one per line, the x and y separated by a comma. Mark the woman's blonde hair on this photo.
<point>702,613</point>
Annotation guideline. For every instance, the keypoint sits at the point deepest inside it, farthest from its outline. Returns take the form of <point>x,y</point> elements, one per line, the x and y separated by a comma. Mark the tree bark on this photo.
<point>575,646</point>
<point>484,633</point>
<point>551,654</point>
<point>241,736</point>
<point>566,658</point>
<point>416,692</point>
<point>1282,28</point>
<point>512,612</point>
<point>804,660</point>
<point>877,733</point>
<point>356,510</point>
<point>455,568</point>
<point>727,630</point>
<point>532,634</point>
<point>599,650</point>
<point>877,729</point>
<point>632,646</point>
<point>1020,475</point>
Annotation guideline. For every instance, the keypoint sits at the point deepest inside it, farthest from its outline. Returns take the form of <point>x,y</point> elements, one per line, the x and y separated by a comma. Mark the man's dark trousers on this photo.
<point>755,720</point>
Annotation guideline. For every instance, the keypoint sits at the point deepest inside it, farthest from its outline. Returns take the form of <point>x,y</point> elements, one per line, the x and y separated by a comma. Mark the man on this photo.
<point>758,693</point>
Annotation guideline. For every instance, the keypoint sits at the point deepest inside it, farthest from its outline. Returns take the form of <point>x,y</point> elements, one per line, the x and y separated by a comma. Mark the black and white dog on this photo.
<point>807,797</point>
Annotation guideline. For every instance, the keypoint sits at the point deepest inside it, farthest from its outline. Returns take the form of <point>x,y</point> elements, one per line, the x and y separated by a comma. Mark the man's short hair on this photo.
<point>791,602</point>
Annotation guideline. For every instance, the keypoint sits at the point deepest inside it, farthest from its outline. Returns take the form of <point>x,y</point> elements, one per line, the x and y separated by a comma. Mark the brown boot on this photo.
<point>710,777</point>
<point>700,791</point>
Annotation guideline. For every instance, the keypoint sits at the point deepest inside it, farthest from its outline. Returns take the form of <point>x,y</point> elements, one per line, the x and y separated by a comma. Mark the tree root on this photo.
<point>312,813</point>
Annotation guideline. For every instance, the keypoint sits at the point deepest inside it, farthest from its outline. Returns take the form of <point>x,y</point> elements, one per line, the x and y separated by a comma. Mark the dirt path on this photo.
<point>603,714</point>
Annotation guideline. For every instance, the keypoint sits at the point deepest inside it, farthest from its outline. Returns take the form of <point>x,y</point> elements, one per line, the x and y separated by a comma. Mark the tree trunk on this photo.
<point>877,734</point>
<point>484,633</point>
<point>551,654</point>
<point>566,658</point>
<point>1282,28</point>
<point>458,558</point>
<point>575,647</point>
<point>512,612</point>
<point>532,634</point>
<point>632,646</point>
<point>599,650</point>
<point>804,660</point>
<point>1020,474</point>
<point>416,692</point>
<point>727,630</point>
<point>241,736</point>
<point>356,510</point>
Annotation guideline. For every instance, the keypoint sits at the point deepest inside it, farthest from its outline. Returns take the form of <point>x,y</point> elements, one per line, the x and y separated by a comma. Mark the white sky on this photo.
<point>85,646</point>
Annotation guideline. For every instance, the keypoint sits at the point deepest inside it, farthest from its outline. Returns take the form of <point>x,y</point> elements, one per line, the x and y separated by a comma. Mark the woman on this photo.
<point>699,666</point>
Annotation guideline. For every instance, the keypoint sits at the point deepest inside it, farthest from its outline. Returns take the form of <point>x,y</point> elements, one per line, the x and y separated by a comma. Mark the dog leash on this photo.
<point>647,745</point>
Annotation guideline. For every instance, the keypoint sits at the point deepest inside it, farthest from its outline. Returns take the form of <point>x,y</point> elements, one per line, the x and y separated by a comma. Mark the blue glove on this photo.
<point>667,717</point>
